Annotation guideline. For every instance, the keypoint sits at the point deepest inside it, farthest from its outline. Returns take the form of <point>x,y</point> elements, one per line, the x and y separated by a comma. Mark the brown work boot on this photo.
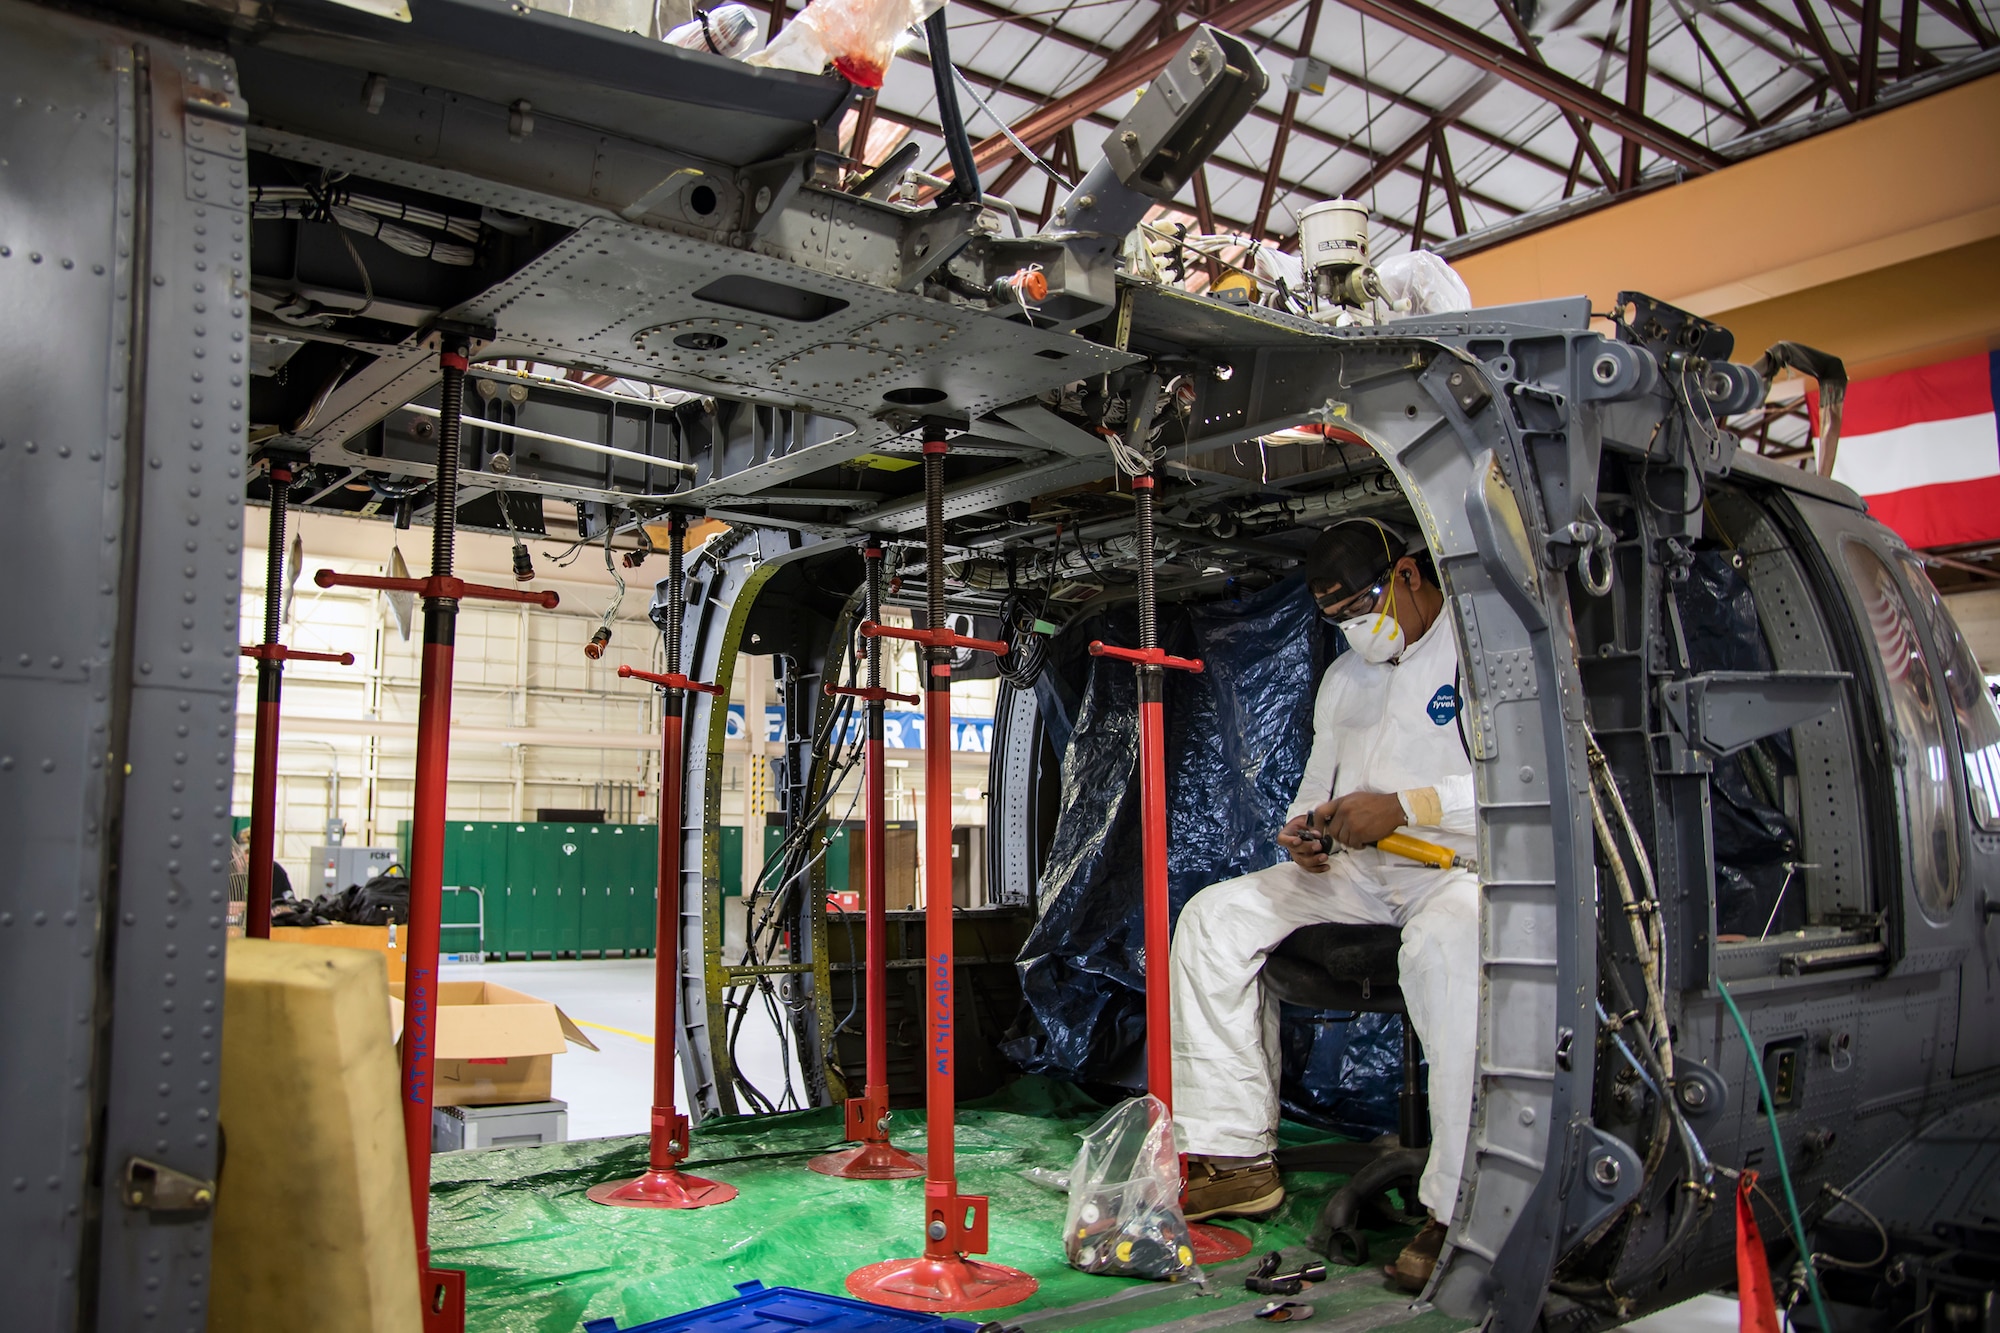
<point>1419,1259</point>
<point>1250,1189</point>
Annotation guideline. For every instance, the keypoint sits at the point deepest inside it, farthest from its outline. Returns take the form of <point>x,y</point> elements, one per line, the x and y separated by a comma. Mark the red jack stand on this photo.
<point>664,1184</point>
<point>271,658</point>
<point>443,1289</point>
<point>943,1279</point>
<point>875,1158</point>
<point>1212,1244</point>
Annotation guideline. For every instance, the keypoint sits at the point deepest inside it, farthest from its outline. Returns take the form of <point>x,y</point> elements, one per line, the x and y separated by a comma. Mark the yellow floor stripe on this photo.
<point>606,1027</point>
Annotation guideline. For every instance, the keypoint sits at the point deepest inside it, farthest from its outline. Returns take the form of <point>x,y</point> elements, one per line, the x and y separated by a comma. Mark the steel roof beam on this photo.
<point>1392,96</point>
<point>1122,76</point>
<point>1019,168</point>
<point>1685,89</point>
<point>1834,61</point>
<point>1235,168</point>
<point>1965,19</point>
<point>1888,32</point>
<point>1578,126</point>
<point>1640,47</point>
<point>1744,112</point>
<point>1285,118</point>
<point>1425,135</point>
<point>1447,34</point>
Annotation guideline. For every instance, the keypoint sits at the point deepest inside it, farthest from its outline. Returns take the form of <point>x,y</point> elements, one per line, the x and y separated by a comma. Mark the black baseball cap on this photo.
<point>1354,554</point>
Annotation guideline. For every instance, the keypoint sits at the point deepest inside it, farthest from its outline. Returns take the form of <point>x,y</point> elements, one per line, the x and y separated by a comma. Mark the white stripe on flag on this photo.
<point>1926,453</point>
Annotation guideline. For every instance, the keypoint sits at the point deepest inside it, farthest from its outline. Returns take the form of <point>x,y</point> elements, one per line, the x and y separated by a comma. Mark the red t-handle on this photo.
<point>671,680</point>
<point>1145,657</point>
<point>437,586</point>
<point>277,652</point>
<point>933,638</point>
<point>874,694</point>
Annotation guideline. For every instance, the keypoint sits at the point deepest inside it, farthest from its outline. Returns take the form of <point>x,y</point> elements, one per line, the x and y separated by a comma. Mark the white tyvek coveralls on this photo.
<point>1376,728</point>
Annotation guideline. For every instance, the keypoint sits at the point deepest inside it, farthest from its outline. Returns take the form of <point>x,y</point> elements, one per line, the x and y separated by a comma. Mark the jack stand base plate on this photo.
<point>1217,1245</point>
<point>869,1161</point>
<point>444,1300</point>
<point>662,1189</point>
<point>936,1285</point>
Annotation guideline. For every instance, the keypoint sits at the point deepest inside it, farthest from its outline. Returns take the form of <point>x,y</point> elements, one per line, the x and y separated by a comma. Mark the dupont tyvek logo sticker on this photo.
<point>1443,706</point>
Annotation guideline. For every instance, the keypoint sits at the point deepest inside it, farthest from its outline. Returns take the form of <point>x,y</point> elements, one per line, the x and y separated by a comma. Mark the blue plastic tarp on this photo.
<point>1237,738</point>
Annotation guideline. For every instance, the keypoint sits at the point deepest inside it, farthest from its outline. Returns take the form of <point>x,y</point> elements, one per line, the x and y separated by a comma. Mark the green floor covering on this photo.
<point>541,1258</point>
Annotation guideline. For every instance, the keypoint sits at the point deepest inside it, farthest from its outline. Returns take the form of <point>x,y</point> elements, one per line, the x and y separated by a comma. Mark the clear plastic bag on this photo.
<point>1420,283</point>
<point>857,37</point>
<point>727,30</point>
<point>1125,1198</point>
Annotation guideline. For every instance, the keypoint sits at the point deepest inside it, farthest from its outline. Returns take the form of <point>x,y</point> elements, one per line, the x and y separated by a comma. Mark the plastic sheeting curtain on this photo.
<point>1237,738</point>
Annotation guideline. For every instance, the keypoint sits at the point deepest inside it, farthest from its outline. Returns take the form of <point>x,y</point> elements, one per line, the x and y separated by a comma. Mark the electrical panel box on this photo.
<point>1308,77</point>
<point>331,869</point>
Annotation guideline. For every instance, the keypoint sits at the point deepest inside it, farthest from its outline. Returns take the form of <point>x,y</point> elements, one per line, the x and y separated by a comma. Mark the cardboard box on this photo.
<point>386,939</point>
<point>494,1043</point>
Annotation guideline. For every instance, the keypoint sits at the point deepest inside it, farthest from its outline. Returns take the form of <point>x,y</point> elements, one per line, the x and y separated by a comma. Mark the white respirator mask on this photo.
<point>1376,635</point>
<point>1378,638</point>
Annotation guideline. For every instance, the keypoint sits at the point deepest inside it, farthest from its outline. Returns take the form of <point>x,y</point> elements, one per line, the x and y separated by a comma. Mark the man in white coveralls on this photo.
<point>1387,754</point>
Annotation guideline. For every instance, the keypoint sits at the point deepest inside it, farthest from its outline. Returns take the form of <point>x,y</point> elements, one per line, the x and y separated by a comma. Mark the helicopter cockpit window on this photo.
<point>1923,763</point>
<point>1789,830</point>
<point>1971,701</point>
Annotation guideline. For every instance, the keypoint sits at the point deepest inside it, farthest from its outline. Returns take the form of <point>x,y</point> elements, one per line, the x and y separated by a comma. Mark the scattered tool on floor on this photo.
<point>1268,1281</point>
<point>1284,1312</point>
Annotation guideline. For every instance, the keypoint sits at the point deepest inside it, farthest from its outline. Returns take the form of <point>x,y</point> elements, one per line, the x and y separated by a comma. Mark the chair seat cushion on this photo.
<point>1332,966</point>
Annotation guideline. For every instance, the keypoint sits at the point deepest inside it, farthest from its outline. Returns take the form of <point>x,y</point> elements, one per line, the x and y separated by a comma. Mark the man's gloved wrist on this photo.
<point>1421,806</point>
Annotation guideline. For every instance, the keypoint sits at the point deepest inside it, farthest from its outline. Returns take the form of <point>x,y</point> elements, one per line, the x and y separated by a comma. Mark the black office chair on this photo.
<point>1354,968</point>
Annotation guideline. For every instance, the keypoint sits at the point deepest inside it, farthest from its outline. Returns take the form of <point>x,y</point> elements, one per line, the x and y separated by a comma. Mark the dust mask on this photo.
<point>1376,636</point>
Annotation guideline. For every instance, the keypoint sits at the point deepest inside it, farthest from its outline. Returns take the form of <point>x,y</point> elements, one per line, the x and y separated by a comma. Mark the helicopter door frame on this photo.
<point>1920,938</point>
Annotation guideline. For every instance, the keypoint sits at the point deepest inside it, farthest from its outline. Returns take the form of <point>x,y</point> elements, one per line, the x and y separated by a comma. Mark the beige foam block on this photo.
<point>312,1221</point>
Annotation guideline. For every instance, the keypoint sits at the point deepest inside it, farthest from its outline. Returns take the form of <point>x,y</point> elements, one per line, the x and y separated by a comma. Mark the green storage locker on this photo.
<point>464,870</point>
<point>843,855</point>
<point>643,867</point>
<point>637,853</point>
<point>568,861</point>
<point>732,860</point>
<point>493,884</point>
<point>514,893</point>
<point>598,933</point>
<point>774,838</point>
<point>536,847</point>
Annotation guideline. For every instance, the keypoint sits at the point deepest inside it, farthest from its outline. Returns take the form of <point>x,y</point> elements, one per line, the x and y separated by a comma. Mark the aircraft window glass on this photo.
<point>1965,685</point>
<point>1923,762</point>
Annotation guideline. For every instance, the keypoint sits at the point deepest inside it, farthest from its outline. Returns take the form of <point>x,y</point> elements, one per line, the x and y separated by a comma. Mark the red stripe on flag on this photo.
<point>1944,392</point>
<point>1951,515</point>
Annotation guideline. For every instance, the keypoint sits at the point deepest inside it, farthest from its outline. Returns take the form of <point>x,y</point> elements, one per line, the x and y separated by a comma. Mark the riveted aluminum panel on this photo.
<point>68,142</point>
<point>183,588</point>
<point>122,247</point>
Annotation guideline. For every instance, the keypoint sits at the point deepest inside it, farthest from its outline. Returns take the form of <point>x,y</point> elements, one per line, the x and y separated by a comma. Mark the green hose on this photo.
<point>1784,1171</point>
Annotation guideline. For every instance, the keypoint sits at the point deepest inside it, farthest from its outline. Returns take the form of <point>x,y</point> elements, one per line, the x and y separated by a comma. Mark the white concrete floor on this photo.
<point>610,1090</point>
